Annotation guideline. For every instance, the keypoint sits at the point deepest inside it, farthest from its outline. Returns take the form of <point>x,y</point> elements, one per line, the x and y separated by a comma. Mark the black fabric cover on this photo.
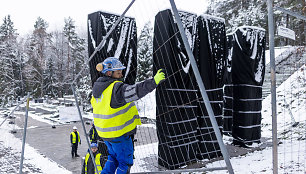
<point>122,43</point>
<point>210,53</point>
<point>176,98</point>
<point>228,88</point>
<point>183,126</point>
<point>248,67</point>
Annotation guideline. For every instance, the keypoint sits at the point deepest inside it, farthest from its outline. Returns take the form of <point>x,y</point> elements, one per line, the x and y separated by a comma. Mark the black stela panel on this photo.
<point>228,88</point>
<point>248,67</point>
<point>211,57</point>
<point>176,98</point>
<point>122,43</point>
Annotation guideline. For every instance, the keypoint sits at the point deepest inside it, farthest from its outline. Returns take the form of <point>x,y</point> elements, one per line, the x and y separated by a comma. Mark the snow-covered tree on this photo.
<point>57,51</point>
<point>254,13</point>
<point>50,78</point>
<point>42,63</point>
<point>84,90</point>
<point>238,13</point>
<point>295,24</point>
<point>38,48</point>
<point>75,52</point>
<point>10,63</point>
<point>144,53</point>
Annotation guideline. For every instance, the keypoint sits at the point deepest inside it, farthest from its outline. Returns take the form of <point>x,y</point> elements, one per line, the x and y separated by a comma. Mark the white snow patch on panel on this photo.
<point>122,38</point>
<point>110,44</point>
<point>93,42</point>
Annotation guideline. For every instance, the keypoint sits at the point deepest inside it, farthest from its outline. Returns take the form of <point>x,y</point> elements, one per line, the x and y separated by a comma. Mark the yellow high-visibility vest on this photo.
<point>97,161</point>
<point>113,122</point>
<point>74,137</point>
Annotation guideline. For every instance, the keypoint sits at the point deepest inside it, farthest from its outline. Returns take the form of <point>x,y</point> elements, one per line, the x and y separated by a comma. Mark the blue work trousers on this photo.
<point>120,156</point>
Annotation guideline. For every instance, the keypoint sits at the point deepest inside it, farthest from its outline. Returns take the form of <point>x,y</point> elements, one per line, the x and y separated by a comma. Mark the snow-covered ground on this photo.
<point>34,162</point>
<point>292,147</point>
<point>279,53</point>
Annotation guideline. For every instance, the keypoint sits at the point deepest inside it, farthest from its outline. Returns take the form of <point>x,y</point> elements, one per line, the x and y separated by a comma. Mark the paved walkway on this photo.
<point>54,143</point>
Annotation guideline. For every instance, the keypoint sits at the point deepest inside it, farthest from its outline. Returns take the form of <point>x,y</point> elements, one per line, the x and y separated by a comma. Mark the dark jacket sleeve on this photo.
<point>96,135</point>
<point>90,133</point>
<point>70,138</point>
<point>124,93</point>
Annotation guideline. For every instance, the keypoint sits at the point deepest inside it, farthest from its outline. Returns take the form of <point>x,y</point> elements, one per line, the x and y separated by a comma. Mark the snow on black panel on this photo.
<point>248,67</point>
<point>121,43</point>
<point>211,57</point>
<point>176,98</point>
<point>211,50</point>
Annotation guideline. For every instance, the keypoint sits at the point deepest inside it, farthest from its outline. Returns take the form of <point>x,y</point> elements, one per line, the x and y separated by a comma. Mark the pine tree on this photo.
<point>9,63</point>
<point>57,51</point>
<point>38,48</point>
<point>144,53</point>
<point>75,52</point>
<point>50,78</point>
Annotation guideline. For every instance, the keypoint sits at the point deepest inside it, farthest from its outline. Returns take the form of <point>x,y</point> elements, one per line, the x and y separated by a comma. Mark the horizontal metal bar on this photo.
<point>186,170</point>
<point>291,13</point>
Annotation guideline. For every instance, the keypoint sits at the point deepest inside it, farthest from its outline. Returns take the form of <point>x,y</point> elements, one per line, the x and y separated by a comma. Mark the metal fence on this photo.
<point>287,69</point>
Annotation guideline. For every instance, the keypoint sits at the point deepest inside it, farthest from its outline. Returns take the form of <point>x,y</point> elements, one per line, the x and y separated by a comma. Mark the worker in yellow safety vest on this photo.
<point>75,139</point>
<point>115,113</point>
<point>93,134</point>
<point>88,166</point>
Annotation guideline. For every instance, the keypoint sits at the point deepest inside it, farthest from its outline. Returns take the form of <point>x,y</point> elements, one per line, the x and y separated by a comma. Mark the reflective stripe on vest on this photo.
<point>113,122</point>
<point>97,160</point>
<point>74,137</point>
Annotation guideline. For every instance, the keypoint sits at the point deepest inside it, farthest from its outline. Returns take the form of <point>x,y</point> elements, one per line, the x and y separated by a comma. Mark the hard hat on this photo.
<point>93,145</point>
<point>110,64</point>
<point>74,127</point>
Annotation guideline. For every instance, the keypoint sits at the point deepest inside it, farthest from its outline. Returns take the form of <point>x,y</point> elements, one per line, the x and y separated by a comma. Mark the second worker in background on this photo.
<point>115,113</point>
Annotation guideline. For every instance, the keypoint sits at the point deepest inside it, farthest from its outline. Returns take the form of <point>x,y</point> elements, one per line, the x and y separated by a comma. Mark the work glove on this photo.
<point>159,76</point>
<point>80,142</point>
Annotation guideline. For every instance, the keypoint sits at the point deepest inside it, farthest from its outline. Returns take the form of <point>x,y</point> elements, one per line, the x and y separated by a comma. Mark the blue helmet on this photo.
<point>112,64</point>
<point>94,145</point>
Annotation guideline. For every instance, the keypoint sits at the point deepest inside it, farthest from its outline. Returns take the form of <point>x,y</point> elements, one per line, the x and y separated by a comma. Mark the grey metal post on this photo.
<point>84,129</point>
<point>202,89</point>
<point>273,85</point>
<point>98,48</point>
<point>24,133</point>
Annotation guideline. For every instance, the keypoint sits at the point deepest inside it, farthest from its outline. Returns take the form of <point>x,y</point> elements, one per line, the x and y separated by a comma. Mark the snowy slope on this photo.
<point>292,148</point>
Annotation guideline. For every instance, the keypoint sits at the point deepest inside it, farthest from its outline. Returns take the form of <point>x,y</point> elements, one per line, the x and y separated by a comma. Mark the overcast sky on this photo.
<point>24,13</point>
